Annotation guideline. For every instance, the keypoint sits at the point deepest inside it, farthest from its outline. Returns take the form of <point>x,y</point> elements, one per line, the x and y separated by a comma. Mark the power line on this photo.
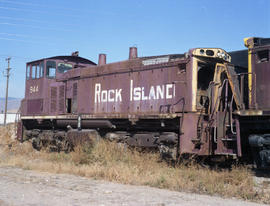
<point>35,27</point>
<point>39,5</point>
<point>16,57</point>
<point>21,35</point>
<point>32,20</point>
<point>37,11</point>
<point>27,37</point>
<point>26,41</point>
<point>79,11</point>
<point>8,39</point>
<point>20,3</point>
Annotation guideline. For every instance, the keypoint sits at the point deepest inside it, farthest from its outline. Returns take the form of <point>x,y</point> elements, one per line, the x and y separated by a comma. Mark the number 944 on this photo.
<point>33,89</point>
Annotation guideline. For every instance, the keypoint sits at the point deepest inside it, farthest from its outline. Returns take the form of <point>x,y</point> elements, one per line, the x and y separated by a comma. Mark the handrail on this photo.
<point>214,110</point>
<point>17,120</point>
<point>254,77</point>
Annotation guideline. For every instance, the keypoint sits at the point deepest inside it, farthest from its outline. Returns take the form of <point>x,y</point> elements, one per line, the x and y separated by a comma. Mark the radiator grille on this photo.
<point>61,99</point>
<point>53,99</point>
<point>75,90</point>
<point>74,99</point>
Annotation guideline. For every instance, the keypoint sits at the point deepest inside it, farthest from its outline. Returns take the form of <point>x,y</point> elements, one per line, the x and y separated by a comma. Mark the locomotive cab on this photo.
<point>35,77</point>
<point>44,84</point>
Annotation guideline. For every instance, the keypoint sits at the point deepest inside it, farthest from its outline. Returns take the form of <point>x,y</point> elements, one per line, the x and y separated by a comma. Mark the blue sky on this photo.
<point>31,29</point>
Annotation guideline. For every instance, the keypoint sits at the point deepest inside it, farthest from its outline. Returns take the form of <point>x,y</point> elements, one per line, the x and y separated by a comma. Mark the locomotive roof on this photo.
<point>69,58</point>
<point>252,42</point>
<point>87,61</point>
<point>172,56</point>
<point>261,41</point>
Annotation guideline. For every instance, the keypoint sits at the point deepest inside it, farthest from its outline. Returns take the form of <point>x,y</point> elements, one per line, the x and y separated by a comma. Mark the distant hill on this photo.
<point>13,104</point>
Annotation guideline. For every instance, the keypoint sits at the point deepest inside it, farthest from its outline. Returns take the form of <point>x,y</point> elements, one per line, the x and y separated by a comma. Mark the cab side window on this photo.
<point>38,71</point>
<point>41,69</point>
<point>50,69</point>
<point>34,71</point>
<point>28,72</point>
<point>263,56</point>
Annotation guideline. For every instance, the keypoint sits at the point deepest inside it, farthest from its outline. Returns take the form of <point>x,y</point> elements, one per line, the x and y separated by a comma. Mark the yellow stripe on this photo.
<point>246,41</point>
<point>194,83</point>
<point>249,77</point>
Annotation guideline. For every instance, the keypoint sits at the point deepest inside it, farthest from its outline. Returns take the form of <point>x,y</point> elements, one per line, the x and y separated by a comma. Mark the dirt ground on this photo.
<point>25,187</point>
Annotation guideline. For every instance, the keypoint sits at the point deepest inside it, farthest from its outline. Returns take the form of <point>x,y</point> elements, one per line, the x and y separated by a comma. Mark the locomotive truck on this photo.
<point>191,104</point>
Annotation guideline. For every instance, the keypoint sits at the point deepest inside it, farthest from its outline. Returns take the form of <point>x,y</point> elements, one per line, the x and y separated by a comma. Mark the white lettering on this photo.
<point>144,97</point>
<point>160,92</point>
<point>118,95</point>
<point>137,93</point>
<point>111,95</point>
<point>33,89</point>
<point>152,94</point>
<point>104,96</point>
<point>131,89</point>
<point>168,87</point>
<point>97,92</point>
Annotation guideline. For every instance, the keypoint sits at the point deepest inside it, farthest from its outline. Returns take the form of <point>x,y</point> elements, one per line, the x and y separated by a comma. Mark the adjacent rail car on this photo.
<point>182,104</point>
<point>255,117</point>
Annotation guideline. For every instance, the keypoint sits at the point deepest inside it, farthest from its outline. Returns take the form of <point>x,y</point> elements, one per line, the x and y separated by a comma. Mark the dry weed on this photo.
<point>114,162</point>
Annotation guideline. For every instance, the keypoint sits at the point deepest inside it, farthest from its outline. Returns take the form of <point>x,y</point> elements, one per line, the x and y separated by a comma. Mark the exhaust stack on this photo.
<point>102,59</point>
<point>133,53</point>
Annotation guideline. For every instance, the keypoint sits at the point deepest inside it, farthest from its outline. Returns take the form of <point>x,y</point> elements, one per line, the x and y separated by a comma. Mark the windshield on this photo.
<point>50,69</point>
<point>63,67</point>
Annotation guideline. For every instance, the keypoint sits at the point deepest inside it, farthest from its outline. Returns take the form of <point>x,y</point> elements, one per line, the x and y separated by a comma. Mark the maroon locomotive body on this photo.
<point>181,104</point>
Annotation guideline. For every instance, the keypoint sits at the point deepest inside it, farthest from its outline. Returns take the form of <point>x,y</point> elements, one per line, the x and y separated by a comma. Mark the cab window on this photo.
<point>50,69</point>
<point>263,56</point>
<point>34,71</point>
<point>28,69</point>
<point>38,71</point>
<point>41,69</point>
<point>63,67</point>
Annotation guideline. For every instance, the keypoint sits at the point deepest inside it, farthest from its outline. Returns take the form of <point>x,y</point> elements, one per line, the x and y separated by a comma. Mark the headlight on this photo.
<point>222,55</point>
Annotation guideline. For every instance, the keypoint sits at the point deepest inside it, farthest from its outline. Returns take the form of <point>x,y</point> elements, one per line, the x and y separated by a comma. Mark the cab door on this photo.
<point>71,96</point>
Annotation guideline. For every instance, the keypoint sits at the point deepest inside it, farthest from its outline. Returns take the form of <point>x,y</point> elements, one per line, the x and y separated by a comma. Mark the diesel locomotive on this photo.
<point>193,104</point>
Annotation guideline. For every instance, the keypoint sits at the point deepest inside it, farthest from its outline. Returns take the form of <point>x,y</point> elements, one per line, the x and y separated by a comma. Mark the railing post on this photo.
<point>242,90</point>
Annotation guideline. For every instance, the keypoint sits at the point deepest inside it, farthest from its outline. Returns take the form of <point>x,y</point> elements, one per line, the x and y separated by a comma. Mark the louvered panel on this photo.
<point>53,99</point>
<point>61,106</point>
<point>74,98</point>
<point>75,90</point>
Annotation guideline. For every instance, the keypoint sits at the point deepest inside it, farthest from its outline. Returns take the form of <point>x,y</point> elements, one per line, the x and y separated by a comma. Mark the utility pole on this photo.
<point>7,75</point>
